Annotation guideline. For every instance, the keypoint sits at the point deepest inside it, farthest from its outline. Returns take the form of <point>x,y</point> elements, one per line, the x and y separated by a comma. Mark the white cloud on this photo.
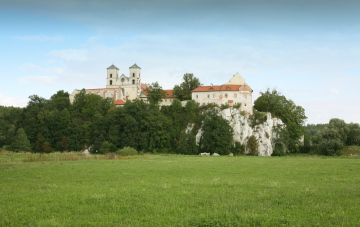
<point>334,91</point>
<point>12,101</point>
<point>40,80</point>
<point>71,55</point>
<point>39,38</point>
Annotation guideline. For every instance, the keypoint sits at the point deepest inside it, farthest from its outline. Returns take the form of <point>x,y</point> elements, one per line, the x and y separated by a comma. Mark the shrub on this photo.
<point>107,147</point>
<point>252,145</point>
<point>225,106</point>
<point>237,106</point>
<point>187,144</point>
<point>243,113</point>
<point>126,151</point>
<point>279,150</point>
<point>238,148</point>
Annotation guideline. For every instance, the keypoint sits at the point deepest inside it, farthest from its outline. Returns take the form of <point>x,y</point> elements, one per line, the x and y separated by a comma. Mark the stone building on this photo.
<point>122,88</point>
<point>236,91</point>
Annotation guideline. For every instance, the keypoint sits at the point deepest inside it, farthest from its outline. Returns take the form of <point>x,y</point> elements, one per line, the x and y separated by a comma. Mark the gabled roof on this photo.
<point>134,66</point>
<point>169,93</point>
<point>217,88</point>
<point>112,67</point>
<point>143,86</point>
<point>119,102</point>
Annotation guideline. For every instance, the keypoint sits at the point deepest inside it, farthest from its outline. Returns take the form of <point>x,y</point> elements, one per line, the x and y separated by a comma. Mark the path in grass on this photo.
<point>182,191</point>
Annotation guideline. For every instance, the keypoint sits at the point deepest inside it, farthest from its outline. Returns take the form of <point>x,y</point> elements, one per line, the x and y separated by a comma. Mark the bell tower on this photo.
<point>112,76</point>
<point>135,78</point>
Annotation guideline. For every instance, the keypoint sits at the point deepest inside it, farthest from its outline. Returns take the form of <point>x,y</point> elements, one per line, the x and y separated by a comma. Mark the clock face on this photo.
<point>122,80</point>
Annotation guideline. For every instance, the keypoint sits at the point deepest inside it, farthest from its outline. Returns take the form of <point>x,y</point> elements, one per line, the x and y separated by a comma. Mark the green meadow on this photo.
<point>176,190</point>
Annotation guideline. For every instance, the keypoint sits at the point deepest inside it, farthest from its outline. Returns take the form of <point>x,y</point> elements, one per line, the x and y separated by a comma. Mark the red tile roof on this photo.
<point>230,101</point>
<point>119,102</point>
<point>143,86</point>
<point>217,88</point>
<point>169,93</point>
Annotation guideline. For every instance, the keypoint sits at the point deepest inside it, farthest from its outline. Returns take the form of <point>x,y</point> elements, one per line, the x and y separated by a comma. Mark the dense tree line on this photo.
<point>95,123</point>
<point>329,139</point>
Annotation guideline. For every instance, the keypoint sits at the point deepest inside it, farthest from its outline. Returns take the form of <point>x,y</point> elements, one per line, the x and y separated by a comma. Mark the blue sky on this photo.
<point>307,50</point>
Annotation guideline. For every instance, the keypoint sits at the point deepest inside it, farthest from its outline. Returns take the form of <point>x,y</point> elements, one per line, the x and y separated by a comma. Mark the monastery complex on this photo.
<point>122,88</point>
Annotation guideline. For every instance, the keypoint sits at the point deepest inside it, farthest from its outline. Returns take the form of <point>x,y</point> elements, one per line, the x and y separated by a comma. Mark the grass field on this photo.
<point>174,190</point>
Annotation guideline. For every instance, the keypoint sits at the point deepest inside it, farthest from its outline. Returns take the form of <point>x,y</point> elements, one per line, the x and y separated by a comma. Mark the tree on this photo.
<point>218,134</point>
<point>59,101</point>
<point>183,91</point>
<point>21,142</point>
<point>353,137</point>
<point>292,116</point>
<point>155,93</point>
<point>330,141</point>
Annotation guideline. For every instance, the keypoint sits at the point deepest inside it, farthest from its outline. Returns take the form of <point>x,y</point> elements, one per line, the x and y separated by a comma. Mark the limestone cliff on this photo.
<point>265,132</point>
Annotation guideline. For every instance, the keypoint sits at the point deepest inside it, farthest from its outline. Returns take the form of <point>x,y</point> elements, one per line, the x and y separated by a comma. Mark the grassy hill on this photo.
<point>174,190</point>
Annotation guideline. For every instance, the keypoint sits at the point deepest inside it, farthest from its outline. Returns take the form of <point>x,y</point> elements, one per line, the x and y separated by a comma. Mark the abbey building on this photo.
<point>122,88</point>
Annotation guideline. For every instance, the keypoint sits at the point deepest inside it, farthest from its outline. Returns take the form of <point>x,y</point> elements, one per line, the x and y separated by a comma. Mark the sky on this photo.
<point>309,50</point>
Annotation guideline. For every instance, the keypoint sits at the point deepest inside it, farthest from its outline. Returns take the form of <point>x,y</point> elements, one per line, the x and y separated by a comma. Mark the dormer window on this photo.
<point>228,88</point>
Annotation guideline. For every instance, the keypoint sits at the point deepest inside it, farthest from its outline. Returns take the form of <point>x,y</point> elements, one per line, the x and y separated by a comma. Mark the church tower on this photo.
<point>112,76</point>
<point>135,78</point>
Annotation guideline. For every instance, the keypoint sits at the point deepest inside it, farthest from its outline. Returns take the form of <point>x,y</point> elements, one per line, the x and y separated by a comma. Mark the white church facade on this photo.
<point>122,88</point>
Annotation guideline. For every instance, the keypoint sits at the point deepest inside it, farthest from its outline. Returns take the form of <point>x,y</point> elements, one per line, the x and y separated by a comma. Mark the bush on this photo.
<point>237,106</point>
<point>279,150</point>
<point>187,144</point>
<point>107,147</point>
<point>225,106</point>
<point>126,151</point>
<point>238,149</point>
<point>253,145</point>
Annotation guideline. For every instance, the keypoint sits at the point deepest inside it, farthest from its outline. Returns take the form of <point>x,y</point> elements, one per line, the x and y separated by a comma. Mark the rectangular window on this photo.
<point>213,95</point>
<point>197,96</point>
<point>208,96</point>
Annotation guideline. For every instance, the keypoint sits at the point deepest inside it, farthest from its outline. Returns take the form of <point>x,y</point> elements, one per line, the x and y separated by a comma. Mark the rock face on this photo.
<point>264,133</point>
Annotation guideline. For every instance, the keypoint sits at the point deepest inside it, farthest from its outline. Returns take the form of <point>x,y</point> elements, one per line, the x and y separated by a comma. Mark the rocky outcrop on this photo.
<point>264,132</point>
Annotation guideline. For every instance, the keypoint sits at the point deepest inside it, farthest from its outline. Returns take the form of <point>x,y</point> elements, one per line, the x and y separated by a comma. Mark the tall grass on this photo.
<point>8,156</point>
<point>175,190</point>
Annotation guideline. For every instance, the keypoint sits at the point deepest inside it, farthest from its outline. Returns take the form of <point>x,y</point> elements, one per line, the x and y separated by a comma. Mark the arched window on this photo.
<point>133,81</point>
<point>110,82</point>
<point>133,74</point>
<point>110,75</point>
